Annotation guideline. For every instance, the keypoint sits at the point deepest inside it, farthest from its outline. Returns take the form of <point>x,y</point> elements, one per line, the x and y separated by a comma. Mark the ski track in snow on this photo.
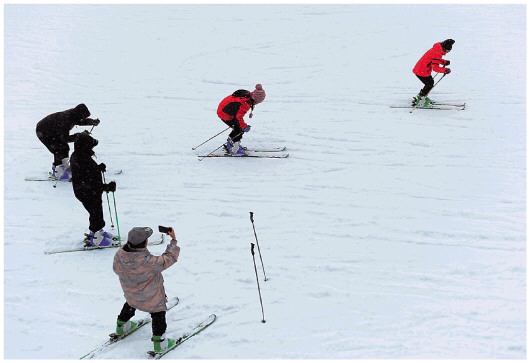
<point>384,235</point>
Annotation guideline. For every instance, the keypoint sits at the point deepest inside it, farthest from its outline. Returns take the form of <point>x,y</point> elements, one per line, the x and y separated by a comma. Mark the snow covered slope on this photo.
<point>385,234</point>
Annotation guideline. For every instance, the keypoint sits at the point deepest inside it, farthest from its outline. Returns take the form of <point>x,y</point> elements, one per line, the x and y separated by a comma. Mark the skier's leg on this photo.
<point>93,205</point>
<point>234,138</point>
<point>159,323</point>
<point>124,323</point>
<point>428,85</point>
<point>126,313</point>
<point>160,342</point>
<point>59,150</point>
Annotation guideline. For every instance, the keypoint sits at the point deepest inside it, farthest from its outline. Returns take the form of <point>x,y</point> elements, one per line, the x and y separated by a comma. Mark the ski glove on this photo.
<point>246,129</point>
<point>447,71</point>
<point>96,122</point>
<point>110,187</point>
<point>447,63</point>
<point>102,167</point>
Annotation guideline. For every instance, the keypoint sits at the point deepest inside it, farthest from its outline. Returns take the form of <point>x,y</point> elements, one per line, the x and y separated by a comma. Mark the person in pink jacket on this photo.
<point>429,62</point>
<point>140,275</point>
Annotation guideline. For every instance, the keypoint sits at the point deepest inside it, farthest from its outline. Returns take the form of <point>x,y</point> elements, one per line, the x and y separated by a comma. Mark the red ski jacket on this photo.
<point>431,61</point>
<point>234,108</point>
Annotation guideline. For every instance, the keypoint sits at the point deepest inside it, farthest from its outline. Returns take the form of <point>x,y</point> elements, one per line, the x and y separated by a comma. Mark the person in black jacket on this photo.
<point>88,186</point>
<point>54,132</point>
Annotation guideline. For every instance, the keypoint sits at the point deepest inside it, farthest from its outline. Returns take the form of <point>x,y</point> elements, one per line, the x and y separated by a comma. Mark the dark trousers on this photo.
<point>94,206</point>
<point>429,84</point>
<point>158,319</point>
<point>237,133</point>
<point>59,149</point>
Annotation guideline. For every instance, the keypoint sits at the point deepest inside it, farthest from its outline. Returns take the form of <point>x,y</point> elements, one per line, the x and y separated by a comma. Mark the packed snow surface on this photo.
<point>385,234</point>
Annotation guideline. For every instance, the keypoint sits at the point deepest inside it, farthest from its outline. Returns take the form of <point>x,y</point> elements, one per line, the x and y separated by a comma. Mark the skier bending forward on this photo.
<point>431,61</point>
<point>54,132</point>
<point>231,111</point>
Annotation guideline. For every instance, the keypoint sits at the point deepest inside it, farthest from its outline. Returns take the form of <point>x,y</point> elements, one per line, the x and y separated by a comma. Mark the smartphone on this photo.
<point>163,229</point>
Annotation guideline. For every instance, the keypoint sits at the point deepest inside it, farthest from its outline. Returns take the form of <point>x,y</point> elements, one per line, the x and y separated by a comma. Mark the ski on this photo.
<point>454,108</point>
<point>45,179</point>
<point>51,178</point>
<point>90,248</point>
<point>206,323</point>
<point>274,156</point>
<point>269,150</point>
<point>114,338</point>
<point>449,104</point>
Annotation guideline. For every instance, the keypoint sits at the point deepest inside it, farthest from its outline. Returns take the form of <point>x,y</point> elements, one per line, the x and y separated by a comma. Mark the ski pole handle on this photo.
<point>252,217</point>
<point>252,248</point>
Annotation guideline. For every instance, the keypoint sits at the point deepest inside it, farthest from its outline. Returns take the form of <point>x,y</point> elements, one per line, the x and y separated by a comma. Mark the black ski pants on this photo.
<point>158,319</point>
<point>59,149</point>
<point>429,84</point>
<point>237,132</point>
<point>94,206</point>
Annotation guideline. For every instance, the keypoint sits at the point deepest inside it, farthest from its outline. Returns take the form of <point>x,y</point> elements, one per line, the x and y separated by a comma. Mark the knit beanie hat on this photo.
<point>258,95</point>
<point>447,44</point>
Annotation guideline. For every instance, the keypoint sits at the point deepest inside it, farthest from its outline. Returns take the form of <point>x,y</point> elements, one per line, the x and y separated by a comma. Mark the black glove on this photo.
<point>110,187</point>
<point>447,62</point>
<point>102,167</point>
<point>447,71</point>
<point>96,122</point>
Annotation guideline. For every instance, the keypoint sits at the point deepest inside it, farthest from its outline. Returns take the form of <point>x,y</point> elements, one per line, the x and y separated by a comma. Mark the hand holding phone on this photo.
<point>165,230</point>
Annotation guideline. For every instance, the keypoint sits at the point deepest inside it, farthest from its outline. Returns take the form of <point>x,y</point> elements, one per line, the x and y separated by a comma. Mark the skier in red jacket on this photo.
<point>431,61</point>
<point>231,111</point>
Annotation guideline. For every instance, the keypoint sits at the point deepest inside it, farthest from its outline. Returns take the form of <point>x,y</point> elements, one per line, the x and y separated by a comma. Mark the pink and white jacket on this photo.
<point>140,275</point>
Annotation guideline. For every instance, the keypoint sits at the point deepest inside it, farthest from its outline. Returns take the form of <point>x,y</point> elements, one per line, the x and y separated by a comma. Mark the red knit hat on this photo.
<point>258,95</point>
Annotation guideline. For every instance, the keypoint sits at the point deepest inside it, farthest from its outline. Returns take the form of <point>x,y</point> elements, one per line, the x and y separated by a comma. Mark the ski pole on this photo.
<point>108,202</point>
<point>430,91</point>
<point>193,148</point>
<point>437,83</point>
<point>257,280</point>
<point>210,153</point>
<point>257,244</point>
<point>116,214</point>
<point>67,164</point>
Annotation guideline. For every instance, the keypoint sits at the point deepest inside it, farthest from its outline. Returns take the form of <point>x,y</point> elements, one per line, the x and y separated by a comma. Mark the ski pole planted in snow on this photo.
<point>108,202</point>
<point>193,148</point>
<point>116,214</point>
<point>257,244</point>
<point>257,280</point>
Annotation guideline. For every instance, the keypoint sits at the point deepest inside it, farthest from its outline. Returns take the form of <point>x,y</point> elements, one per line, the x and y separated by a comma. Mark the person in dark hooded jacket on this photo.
<point>87,182</point>
<point>54,132</point>
<point>431,61</point>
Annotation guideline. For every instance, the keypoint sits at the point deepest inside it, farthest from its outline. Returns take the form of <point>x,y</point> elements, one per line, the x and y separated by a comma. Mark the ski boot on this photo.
<point>237,149</point>
<point>100,239</point>
<point>124,327</point>
<point>61,173</point>
<point>426,102</point>
<point>234,148</point>
<point>421,101</point>
<point>228,146</point>
<point>161,344</point>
